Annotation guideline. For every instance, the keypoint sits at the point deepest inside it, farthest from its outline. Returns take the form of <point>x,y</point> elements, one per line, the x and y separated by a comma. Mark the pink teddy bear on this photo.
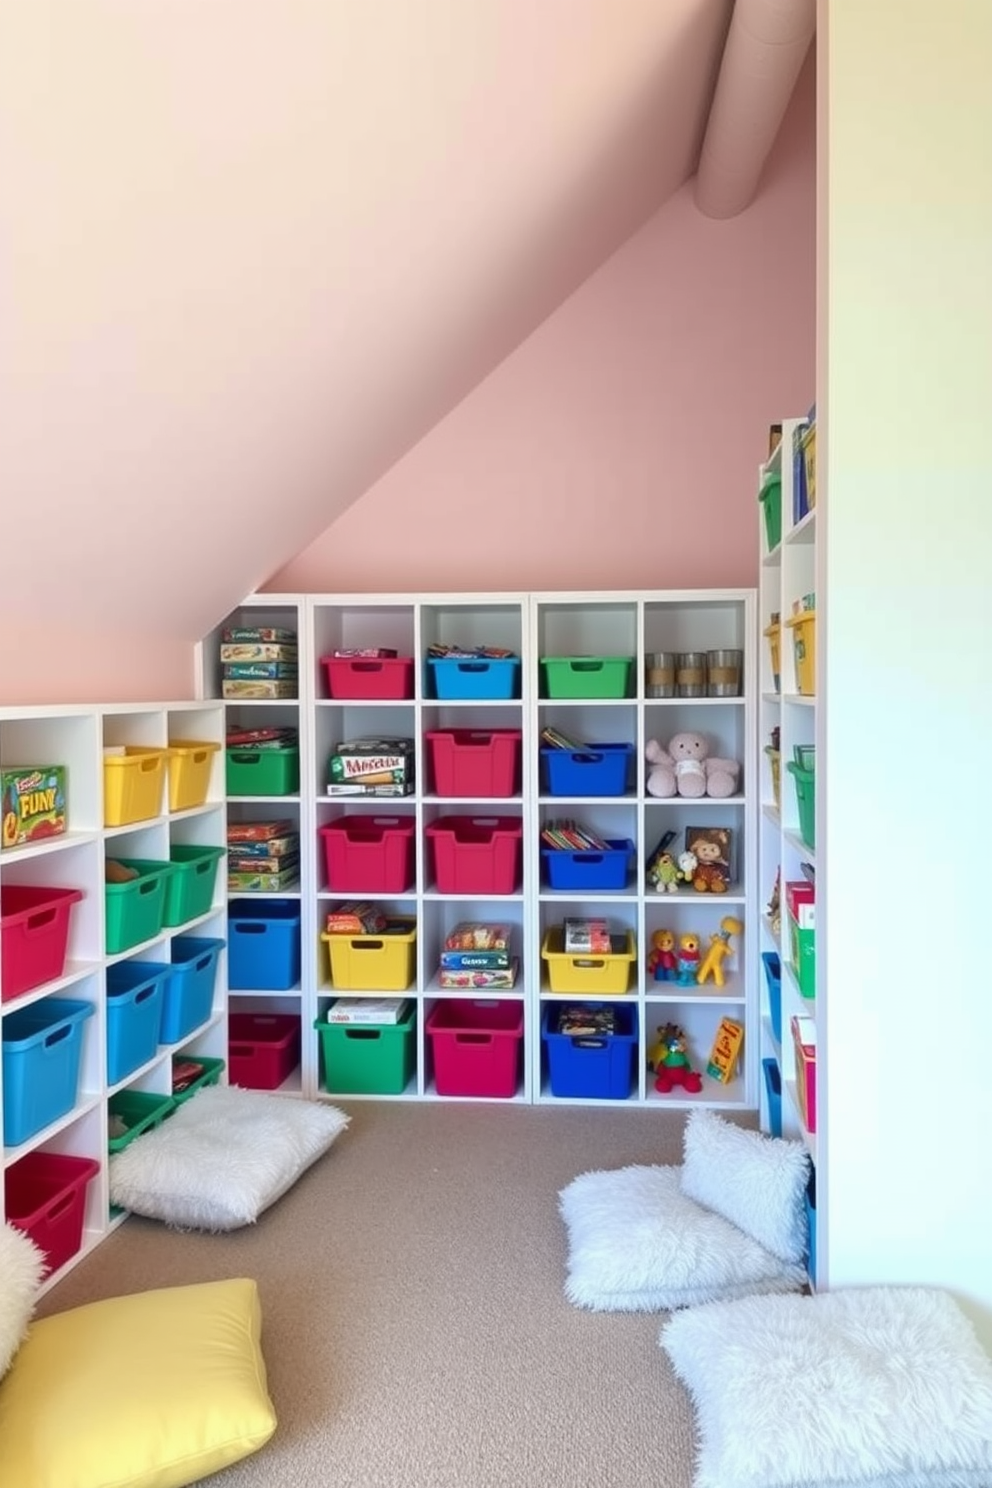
<point>686,769</point>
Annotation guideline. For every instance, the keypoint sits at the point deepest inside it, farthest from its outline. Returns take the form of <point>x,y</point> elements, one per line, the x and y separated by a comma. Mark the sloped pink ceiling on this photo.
<point>618,447</point>
<point>255,249</point>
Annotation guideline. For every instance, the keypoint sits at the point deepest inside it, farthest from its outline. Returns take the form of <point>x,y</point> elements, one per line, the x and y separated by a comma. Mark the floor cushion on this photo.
<point>637,1243</point>
<point>154,1390</point>
<point>874,1387</point>
<point>22,1266</point>
<point>222,1158</point>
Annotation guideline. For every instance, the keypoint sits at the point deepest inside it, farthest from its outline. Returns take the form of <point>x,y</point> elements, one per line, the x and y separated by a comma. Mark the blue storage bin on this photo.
<point>42,1050</point>
<point>594,1066</point>
<point>597,770</point>
<point>589,870</point>
<point>811,1221</point>
<point>773,1088</point>
<point>263,945</point>
<point>134,1011</point>
<point>189,987</point>
<point>773,975</point>
<point>490,678</point>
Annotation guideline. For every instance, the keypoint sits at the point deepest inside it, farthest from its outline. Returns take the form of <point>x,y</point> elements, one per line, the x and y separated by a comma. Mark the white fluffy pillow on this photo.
<point>637,1244</point>
<point>22,1266</point>
<point>756,1182</point>
<point>880,1386</point>
<point>222,1158</point>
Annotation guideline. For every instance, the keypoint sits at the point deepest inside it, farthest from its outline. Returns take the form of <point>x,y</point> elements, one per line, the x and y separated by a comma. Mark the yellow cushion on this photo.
<point>151,1391</point>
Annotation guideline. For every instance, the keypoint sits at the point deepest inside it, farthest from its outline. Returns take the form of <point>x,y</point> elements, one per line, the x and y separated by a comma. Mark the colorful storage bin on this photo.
<point>190,764</point>
<point>593,871</point>
<point>800,898</point>
<point>263,1049</point>
<point>589,1066</point>
<point>136,909</point>
<point>138,1111</point>
<point>586,676</point>
<point>190,890</point>
<point>773,1095</point>
<point>189,988</point>
<point>803,627</point>
<point>773,977</point>
<point>369,854</point>
<point>368,676</point>
<point>45,1198</point>
<point>368,1058</point>
<point>42,1051</point>
<point>135,991</point>
<point>607,975</point>
<point>804,1043</point>
<point>774,635</point>
<point>806,800</point>
<point>596,770</point>
<point>775,770</point>
<point>133,784</point>
<point>263,946</point>
<point>34,936</point>
<point>489,679</point>
<point>263,772</point>
<point>213,1071</point>
<point>476,854</point>
<point>474,762</point>
<point>770,497</point>
<point>385,962</point>
<point>477,1047</point>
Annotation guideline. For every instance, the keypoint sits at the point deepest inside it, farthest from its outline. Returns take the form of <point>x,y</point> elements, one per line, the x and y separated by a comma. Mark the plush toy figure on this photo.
<point>670,1062</point>
<point>685,768</point>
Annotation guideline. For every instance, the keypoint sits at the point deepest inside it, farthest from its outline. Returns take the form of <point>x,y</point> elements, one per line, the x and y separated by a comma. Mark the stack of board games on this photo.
<point>239,736</point>
<point>356,917</point>
<point>371,767</point>
<point>477,955</point>
<point>259,661</point>
<point>383,1010</point>
<point>263,857</point>
<point>587,1020</point>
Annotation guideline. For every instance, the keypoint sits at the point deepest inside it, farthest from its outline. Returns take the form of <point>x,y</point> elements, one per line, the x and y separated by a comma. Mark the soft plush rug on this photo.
<point>222,1158</point>
<point>22,1266</point>
<point>637,1243</point>
<point>875,1387</point>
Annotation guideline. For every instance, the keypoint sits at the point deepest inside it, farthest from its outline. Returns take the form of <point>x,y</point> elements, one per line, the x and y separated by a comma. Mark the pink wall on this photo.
<point>56,663</point>
<point>617,448</point>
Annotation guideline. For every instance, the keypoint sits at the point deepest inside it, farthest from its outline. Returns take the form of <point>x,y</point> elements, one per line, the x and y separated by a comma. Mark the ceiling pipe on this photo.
<point>766,45</point>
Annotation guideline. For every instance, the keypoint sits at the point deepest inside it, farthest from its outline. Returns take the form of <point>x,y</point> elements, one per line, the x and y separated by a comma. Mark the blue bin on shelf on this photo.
<point>189,987</point>
<point>596,770</point>
<point>596,1066</point>
<point>584,870</point>
<point>42,1050</point>
<point>263,946</point>
<point>811,1221</point>
<point>773,1089</point>
<point>135,990</point>
<point>773,976</point>
<point>489,678</point>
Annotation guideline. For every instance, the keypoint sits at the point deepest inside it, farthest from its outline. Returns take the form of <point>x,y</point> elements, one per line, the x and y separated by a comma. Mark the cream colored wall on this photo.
<point>905,390</point>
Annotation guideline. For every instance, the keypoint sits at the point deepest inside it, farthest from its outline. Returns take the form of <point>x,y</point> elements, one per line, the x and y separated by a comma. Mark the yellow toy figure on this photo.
<point>719,950</point>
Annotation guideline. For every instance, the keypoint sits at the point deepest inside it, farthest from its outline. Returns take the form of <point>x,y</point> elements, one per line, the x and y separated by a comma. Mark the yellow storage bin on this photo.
<point>803,627</point>
<point>598,976</point>
<point>775,765</point>
<point>375,963</point>
<point>774,634</point>
<point>190,763</point>
<point>132,785</point>
<point>809,461</point>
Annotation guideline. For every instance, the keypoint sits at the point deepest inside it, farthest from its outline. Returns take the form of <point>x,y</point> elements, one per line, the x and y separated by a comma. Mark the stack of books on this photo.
<point>385,1010</point>
<point>477,954</point>
<point>262,857</point>
<point>570,836</point>
<point>259,661</point>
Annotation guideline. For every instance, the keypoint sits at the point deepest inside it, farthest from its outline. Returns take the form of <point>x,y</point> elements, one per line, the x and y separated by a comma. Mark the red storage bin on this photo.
<point>368,676</point>
<point>477,1047</point>
<point>475,762</point>
<point>476,854</point>
<point>369,854</point>
<point>34,935</point>
<point>45,1195</point>
<point>263,1049</point>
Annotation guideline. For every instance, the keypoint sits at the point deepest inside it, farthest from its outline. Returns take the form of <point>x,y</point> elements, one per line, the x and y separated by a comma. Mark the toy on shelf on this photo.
<point>688,960</point>
<point>726,1050</point>
<point>686,768</point>
<point>661,957</point>
<point>669,1061</point>
<point>664,873</point>
<point>710,846</point>
<point>719,949</point>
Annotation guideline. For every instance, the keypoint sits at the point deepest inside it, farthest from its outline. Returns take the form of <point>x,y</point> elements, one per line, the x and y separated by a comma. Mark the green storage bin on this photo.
<point>140,1111</point>
<point>803,956</point>
<point>212,1071</point>
<point>806,796</point>
<point>136,909</point>
<point>263,772</point>
<point>190,890</point>
<point>367,1058</point>
<point>770,497</point>
<point>587,676</point>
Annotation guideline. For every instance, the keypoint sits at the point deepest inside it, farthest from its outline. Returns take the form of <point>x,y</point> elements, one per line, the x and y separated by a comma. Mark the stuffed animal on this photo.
<point>685,768</point>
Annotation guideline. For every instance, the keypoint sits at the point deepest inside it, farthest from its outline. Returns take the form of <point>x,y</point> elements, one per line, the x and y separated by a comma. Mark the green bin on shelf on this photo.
<point>770,497</point>
<point>136,909</point>
<point>263,772</point>
<point>190,890</point>
<point>138,1111</point>
<point>806,796</point>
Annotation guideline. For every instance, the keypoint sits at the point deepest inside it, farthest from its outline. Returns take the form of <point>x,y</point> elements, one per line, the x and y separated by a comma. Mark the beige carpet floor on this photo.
<point>416,1331</point>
